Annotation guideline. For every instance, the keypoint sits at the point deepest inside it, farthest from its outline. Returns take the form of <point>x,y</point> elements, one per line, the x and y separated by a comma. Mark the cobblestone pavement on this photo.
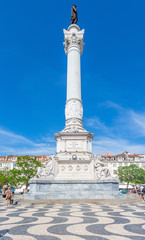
<point>72,222</point>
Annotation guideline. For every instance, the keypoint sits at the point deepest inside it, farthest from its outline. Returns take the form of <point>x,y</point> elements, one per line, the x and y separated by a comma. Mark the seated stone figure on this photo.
<point>101,172</point>
<point>47,171</point>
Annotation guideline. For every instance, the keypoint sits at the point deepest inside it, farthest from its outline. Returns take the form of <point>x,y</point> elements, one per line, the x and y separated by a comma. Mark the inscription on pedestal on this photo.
<point>73,145</point>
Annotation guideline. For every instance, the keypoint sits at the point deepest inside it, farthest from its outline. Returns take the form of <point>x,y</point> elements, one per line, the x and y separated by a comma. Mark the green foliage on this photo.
<point>131,174</point>
<point>4,176</point>
<point>26,168</point>
<point>14,177</point>
<point>3,179</point>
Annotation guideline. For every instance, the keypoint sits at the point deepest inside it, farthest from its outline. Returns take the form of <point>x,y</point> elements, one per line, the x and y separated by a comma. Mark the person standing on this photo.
<point>9,195</point>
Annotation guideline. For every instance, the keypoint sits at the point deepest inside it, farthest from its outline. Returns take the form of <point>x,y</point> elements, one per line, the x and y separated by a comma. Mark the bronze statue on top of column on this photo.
<point>74,13</point>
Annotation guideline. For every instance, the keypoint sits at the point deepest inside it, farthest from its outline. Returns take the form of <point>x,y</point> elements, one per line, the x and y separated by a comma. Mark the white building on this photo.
<point>124,159</point>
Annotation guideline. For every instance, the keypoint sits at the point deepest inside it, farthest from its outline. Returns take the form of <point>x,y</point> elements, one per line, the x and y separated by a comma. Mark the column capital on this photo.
<point>73,38</point>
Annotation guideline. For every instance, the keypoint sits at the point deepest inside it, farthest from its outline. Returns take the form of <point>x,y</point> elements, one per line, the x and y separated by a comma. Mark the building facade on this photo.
<point>110,161</point>
<point>10,161</point>
<point>120,160</point>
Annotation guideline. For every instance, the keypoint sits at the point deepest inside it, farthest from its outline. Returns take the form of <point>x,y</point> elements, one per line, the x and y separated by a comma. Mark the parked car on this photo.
<point>19,190</point>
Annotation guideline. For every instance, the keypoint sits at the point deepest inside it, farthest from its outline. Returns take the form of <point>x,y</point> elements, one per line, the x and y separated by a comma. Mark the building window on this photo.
<point>114,164</point>
<point>114,172</point>
<point>125,164</point>
<point>143,164</point>
<point>38,158</point>
<point>9,165</point>
<point>119,164</point>
<point>114,158</point>
<point>14,164</point>
<point>106,164</point>
<point>0,164</point>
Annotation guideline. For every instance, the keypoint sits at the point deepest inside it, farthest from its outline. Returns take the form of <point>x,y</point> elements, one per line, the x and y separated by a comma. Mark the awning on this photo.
<point>122,186</point>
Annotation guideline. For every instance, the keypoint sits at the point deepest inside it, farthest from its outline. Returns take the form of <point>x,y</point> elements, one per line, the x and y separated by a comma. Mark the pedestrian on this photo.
<point>13,190</point>
<point>9,195</point>
<point>143,191</point>
<point>25,191</point>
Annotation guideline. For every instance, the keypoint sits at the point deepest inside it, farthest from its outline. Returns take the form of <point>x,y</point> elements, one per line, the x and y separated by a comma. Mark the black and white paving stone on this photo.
<point>72,222</point>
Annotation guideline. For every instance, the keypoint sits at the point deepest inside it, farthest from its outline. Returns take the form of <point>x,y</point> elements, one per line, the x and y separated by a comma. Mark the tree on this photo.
<point>26,168</point>
<point>140,178</point>
<point>9,177</point>
<point>3,179</point>
<point>131,174</point>
<point>4,176</point>
<point>14,177</point>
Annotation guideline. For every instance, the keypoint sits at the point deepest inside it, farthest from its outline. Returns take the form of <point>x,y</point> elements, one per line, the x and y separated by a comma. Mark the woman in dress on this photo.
<point>9,195</point>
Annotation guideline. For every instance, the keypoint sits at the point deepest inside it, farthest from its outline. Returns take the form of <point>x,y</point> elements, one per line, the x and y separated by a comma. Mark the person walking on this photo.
<point>143,191</point>
<point>9,195</point>
<point>13,190</point>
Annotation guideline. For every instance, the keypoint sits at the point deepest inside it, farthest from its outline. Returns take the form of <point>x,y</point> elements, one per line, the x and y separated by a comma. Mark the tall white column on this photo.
<point>73,48</point>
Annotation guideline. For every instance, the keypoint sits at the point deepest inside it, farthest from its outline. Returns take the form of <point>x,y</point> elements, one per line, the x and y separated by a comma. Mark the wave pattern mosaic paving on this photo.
<point>72,222</point>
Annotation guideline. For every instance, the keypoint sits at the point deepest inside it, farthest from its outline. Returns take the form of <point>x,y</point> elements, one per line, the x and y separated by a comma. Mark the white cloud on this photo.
<point>110,104</point>
<point>11,143</point>
<point>125,131</point>
<point>139,121</point>
<point>102,144</point>
<point>95,123</point>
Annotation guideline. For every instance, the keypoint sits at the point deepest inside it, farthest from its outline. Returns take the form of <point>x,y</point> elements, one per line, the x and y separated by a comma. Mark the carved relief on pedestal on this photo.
<point>78,168</point>
<point>101,172</point>
<point>48,170</point>
<point>86,168</point>
<point>62,168</point>
<point>73,109</point>
<point>70,168</point>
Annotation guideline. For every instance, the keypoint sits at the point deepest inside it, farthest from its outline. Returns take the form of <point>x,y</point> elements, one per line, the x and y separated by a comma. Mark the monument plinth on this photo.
<point>73,173</point>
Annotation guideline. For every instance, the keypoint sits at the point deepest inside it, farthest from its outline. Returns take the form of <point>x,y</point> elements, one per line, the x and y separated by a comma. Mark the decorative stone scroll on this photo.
<point>73,38</point>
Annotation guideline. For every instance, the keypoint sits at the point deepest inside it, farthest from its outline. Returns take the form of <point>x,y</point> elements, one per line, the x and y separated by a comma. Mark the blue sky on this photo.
<point>33,68</point>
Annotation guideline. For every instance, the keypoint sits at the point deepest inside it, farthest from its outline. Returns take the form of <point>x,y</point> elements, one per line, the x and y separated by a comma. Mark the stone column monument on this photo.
<point>74,143</point>
<point>73,48</point>
<point>73,173</point>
